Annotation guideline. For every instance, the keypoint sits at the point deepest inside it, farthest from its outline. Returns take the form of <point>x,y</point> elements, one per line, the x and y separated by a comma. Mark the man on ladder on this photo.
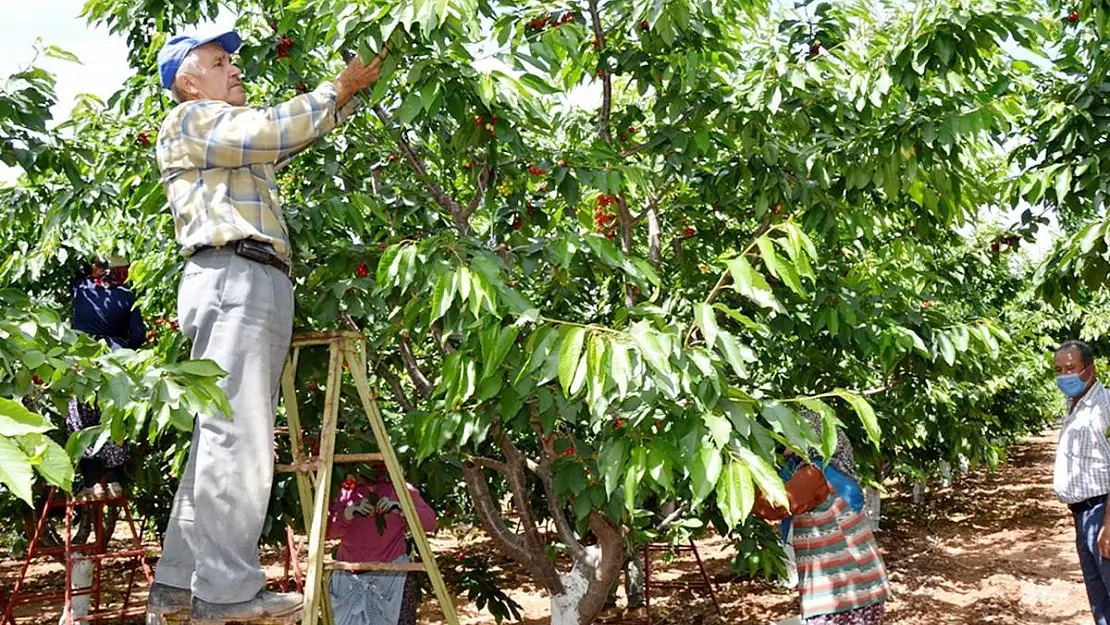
<point>235,303</point>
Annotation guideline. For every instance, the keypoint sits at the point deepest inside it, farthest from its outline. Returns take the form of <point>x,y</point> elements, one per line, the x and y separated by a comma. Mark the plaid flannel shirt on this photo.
<point>1083,454</point>
<point>218,163</point>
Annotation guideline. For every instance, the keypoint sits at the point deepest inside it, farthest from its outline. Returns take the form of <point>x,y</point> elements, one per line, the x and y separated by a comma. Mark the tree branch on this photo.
<point>483,182</point>
<point>545,570</point>
<point>547,479</point>
<point>394,383</point>
<point>606,79</point>
<point>611,542</point>
<point>670,518</point>
<point>491,517</point>
<point>654,234</point>
<point>462,225</point>
<point>419,380</point>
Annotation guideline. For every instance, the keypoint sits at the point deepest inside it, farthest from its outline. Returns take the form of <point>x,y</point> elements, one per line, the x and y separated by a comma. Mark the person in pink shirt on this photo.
<point>367,517</point>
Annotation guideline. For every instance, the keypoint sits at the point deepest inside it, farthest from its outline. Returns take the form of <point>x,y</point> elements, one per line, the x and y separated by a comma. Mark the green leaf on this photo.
<point>201,368</point>
<point>946,348</point>
<point>410,108</point>
<point>619,367</point>
<point>570,353</point>
<point>707,321</point>
<point>865,411</point>
<point>443,295</point>
<point>611,462</point>
<point>50,460</point>
<point>704,472</point>
<point>735,493</point>
<point>751,284</point>
<point>764,475</point>
<point>735,353</point>
<point>650,347</point>
<point>15,420</point>
<point>659,465</point>
<point>15,470</point>
<point>633,476</point>
<point>829,423</point>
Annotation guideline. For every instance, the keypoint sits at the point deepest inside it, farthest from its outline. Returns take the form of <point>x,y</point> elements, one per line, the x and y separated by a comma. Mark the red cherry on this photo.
<point>286,42</point>
<point>688,232</point>
<point>282,53</point>
<point>468,165</point>
<point>273,26</point>
<point>631,130</point>
<point>393,158</point>
<point>312,388</point>
<point>926,304</point>
<point>37,380</point>
<point>644,24</point>
<point>659,425</point>
<point>477,120</point>
<point>994,246</point>
<point>1074,17</point>
<point>624,138</point>
<point>543,188</point>
<point>569,452</point>
<point>772,282</point>
<point>597,43</point>
<point>404,335</point>
<point>619,423</point>
<point>159,321</point>
<point>382,246</point>
<point>144,139</point>
<point>600,73</point>
<point>302,88</point>
<point>362,270</point>
<point>563,164</point>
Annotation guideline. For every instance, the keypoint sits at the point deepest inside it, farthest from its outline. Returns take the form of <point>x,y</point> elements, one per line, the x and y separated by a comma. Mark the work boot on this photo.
<point>165,600</point>
<point>264,605</point>
<point>114,490</point>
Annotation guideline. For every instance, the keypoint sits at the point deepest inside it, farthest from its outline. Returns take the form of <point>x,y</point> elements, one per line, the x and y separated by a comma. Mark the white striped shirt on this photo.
<point>1083,455</point>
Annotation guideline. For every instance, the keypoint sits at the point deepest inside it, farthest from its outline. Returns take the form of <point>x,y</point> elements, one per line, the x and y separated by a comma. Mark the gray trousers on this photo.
<point>238,313</point>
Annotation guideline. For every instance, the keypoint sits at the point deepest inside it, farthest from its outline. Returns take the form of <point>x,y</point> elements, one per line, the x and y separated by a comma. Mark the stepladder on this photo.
<point>314,470</point>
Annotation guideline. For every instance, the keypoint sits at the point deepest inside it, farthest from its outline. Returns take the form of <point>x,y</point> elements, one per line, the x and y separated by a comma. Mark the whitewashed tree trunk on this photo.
<point>82,578</point>
<point>945,474</point>
<point>565,607</point>
<point>872,507</point>
<point>919,491</point>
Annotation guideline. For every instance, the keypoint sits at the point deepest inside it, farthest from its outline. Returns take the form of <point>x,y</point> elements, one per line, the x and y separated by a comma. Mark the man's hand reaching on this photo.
<point>357,77</point>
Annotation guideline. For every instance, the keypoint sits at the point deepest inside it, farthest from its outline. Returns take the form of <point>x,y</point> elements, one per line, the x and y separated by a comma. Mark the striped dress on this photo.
<point>841,576</point>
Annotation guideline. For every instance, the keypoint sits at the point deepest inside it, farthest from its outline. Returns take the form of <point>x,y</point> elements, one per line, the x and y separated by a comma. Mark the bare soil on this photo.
<point>994,548</point>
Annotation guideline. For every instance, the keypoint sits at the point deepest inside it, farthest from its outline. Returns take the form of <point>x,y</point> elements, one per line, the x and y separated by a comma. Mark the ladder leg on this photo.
<point>705,576</point>
<point>318,528</point>
<point>397,477</point>
<point>68,605</point>
<point>293,419</point>
<point>10,607</point>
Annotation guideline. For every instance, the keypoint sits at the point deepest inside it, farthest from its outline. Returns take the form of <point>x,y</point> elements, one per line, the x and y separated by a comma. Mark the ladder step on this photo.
<point>182,618</point>
<point>103,616</point>
<point>306,339</point>
<point>355,567</point>
<point>61,549</point>
<point>115,555</point>
<point>313,463</point>
<point>107,501</point>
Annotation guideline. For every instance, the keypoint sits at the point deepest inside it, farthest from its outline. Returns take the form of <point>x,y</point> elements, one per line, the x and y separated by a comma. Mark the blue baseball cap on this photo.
<point>174,52</point>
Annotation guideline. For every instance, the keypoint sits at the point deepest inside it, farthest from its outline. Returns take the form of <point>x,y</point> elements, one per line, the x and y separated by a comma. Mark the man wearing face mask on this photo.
<point>1082,475</point>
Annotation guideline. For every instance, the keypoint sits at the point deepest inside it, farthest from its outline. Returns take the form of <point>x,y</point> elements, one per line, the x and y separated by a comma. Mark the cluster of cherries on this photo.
<point>481,121</point>
<point>1012,240</point>
<point>543,21</point>
<point>152,336</point>
<point>604,221</point>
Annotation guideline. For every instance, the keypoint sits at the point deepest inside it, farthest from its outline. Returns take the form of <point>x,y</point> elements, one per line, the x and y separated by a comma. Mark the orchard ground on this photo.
<point>993,548</point>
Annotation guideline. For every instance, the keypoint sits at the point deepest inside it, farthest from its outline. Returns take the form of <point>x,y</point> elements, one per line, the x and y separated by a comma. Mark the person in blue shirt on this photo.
<point>105,309</point>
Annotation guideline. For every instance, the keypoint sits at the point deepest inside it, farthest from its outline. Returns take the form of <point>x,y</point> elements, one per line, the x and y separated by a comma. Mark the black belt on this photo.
<point>257,251</point>
<point>1087,504</point>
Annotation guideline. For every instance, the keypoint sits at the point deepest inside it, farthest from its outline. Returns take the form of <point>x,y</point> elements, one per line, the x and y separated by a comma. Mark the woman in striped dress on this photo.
<point>841,577</point>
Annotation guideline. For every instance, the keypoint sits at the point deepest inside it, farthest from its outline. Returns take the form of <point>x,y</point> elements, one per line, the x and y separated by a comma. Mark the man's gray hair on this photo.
<point>188,66</point>
<point>1085,353</point>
